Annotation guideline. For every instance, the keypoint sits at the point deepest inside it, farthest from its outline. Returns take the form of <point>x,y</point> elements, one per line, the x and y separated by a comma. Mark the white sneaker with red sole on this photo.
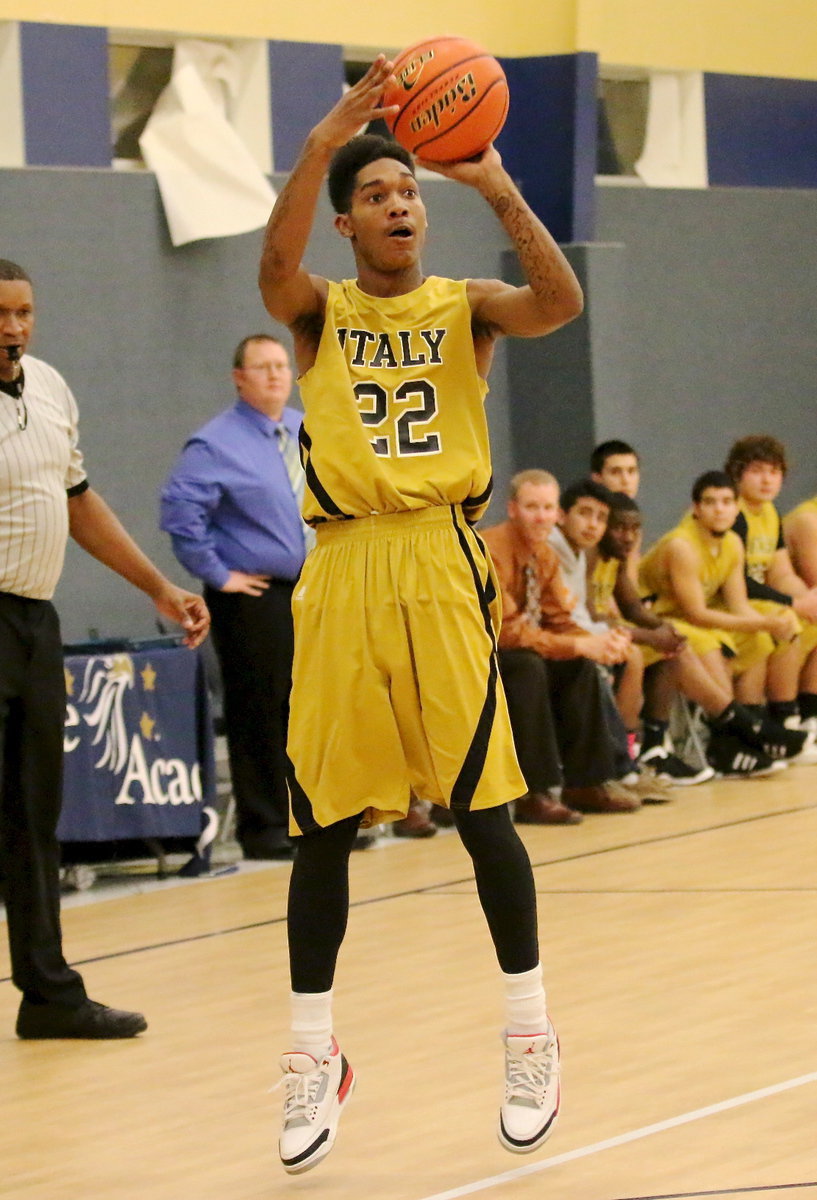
<point>315,1094</point>
<point>531,1105</point>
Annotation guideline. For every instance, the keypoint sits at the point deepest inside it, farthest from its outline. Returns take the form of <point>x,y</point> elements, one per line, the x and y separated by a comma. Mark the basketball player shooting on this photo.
<point>395,683</point>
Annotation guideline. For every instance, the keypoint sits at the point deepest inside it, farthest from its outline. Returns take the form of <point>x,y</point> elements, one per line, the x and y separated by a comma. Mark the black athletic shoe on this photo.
<point>780,742</point>
<point>673,770</point>
<point>90,1020</point>
<point>733,759</point>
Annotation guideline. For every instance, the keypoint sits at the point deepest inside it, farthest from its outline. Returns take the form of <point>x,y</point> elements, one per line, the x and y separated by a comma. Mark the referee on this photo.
<point>44,496</point>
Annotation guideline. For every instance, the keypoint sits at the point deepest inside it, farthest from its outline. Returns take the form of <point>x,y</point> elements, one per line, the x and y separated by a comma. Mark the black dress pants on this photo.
<point>254,641</point>
<point>557,715</point>
<point>32,717</point>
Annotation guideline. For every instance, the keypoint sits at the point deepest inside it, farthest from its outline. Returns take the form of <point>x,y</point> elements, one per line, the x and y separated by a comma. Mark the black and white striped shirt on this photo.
<point>40,466</point>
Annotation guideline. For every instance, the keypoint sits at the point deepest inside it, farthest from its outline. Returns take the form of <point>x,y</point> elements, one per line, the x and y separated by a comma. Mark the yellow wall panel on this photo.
<point>743,37</point>
<point>753,37</point>
<point>508,28</point>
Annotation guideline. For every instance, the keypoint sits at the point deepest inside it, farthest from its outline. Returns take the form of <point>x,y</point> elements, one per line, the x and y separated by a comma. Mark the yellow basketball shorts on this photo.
<point>742,650</point>
<point>808,638</point>
<point>807,631</point>
<point>395,682</point>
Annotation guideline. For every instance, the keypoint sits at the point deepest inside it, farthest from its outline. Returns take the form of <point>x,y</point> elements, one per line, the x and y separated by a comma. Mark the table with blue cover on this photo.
<point>139,757</point>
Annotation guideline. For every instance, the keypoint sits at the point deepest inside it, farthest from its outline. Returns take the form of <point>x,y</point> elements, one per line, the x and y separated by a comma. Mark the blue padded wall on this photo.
<point>549,141</point>
<point>761,132</point>
<point>305,81</point>
<point>65,95</point>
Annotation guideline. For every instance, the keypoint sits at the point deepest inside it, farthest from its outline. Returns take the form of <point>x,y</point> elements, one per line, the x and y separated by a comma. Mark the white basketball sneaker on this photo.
<point>315,1094</point>
<point>528,1114</point>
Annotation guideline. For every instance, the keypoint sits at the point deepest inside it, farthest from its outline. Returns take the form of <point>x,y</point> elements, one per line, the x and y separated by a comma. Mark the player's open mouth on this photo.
<point>402,231</point>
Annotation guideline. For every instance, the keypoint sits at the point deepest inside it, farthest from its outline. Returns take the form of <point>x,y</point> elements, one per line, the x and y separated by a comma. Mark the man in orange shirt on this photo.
<point>545,655</point>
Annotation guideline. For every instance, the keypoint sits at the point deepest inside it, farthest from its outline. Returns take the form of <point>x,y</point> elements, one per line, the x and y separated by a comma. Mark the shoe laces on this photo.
<point>300,1101</point>
<point>528,1075</point>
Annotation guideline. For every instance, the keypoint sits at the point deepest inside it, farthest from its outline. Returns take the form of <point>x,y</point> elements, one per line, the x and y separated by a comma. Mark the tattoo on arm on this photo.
<point>538,254</point>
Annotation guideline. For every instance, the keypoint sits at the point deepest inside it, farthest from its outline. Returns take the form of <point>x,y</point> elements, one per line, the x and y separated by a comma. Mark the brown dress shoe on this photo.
<point>540,808</point>
<point>597,799</point>
<point>416,823</point>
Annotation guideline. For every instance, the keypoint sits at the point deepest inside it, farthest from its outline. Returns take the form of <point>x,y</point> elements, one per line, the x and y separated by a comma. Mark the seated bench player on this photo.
<point>695,573</point>
<point>670,670</point>
<point>758,466</point>
<point>800,534</point>
<point>583,513</point>
<point>617,465</point>
<point>548,667</point>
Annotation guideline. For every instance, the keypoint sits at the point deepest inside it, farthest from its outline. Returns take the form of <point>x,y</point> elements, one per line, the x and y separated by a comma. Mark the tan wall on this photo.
<point>743,37</point>
<point>753,37</point>
<point>505,28</point>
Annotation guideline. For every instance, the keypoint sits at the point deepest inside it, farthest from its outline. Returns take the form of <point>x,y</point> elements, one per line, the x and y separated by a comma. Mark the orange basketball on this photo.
<point>453,99</point>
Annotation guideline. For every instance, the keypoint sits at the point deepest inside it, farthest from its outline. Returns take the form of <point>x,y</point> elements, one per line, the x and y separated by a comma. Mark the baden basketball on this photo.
<point>453,99</point>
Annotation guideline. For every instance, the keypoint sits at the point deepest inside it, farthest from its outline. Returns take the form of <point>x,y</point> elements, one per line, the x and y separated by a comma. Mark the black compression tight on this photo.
<point>319,895</point>
<point>505,885</point>
<point>318,906</point>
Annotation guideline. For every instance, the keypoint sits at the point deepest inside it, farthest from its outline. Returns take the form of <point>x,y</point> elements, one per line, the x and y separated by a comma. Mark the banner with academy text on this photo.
<point>138,746</point>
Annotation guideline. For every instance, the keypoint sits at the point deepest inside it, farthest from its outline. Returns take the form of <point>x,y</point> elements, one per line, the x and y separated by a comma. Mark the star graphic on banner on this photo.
<point>149,678</point>
<point>69,682</point>
<point>147,725</point>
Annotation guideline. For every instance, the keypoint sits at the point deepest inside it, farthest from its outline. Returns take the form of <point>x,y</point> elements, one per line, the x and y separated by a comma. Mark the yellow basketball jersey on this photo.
<point>603,584</point>
<point>762,536</point>
<point>716,565</point>
<point>394,406</point>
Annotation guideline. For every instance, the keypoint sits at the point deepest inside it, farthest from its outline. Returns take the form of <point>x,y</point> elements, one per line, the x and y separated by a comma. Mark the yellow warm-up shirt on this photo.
<point>394,406</point>
<point>603,584</point>
<point>716,564</point>
<point>762,535</point>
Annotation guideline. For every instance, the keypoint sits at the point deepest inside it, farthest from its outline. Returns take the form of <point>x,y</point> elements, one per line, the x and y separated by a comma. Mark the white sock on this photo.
<point>311,1022</point>
<point>525,1003</point>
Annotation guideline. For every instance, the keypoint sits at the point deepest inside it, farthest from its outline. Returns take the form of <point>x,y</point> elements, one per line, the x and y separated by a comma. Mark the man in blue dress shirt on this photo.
<point>232,508</point>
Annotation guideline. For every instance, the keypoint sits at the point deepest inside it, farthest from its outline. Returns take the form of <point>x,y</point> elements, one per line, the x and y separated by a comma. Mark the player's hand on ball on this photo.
<point>358,106</point>
<point>470,171</point>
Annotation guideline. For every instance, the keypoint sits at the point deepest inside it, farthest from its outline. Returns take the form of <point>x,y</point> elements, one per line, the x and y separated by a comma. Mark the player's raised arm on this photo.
<point>288,291</point>
<point>553,295</point>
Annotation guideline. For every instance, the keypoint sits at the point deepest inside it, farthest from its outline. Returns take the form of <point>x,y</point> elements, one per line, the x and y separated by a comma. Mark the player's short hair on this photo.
<point>532,475</point>
<point>620,502</point>
<point>757,447</point>
<point>586,489</point>
<point>238,354</point>
<point>10,272</point>
<point>712,479</point>
<point>606,450</point>
<point>353,157</point>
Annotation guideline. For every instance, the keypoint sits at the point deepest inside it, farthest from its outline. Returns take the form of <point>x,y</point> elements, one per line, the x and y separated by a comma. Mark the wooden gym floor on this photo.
<point>679,950</point>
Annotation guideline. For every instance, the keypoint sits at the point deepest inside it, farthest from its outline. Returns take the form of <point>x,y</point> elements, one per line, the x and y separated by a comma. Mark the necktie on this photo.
<point>295,472</point>
<point>533,594</point>
<point>292,462</point>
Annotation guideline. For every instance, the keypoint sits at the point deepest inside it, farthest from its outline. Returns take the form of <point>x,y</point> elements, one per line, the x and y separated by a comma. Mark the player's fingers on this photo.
<point>377,74</point>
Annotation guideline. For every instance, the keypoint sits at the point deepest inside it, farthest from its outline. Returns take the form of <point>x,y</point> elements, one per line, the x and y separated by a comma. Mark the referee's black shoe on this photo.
<point>91,1020</point>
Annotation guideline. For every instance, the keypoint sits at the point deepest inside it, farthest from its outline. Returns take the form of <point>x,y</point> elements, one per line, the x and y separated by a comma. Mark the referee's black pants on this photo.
<point>32,717</point>
<point>557,715</point>
<point>254,641</point>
